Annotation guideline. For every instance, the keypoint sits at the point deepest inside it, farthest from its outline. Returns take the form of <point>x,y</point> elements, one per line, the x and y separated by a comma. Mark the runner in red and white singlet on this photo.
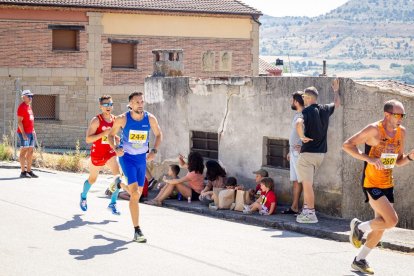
<point>101,153</point>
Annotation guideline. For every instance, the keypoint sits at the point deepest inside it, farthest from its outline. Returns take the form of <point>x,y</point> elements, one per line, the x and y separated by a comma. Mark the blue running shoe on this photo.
<point>83,204</point>
<point>112,208</point>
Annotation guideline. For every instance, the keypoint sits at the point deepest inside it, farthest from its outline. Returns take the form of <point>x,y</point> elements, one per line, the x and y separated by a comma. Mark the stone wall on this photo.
<point>243,111</point>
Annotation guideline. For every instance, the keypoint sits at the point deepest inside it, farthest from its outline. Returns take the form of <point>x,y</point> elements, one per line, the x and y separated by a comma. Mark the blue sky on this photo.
<point>281,8</point>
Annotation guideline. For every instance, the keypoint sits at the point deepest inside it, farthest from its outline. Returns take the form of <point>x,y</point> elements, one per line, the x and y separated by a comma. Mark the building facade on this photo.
<point>71,52</point>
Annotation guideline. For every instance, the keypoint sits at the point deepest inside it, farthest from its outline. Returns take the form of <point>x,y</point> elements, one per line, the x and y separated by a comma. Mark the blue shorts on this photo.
<point>26,143</point>
<point>134,167</point>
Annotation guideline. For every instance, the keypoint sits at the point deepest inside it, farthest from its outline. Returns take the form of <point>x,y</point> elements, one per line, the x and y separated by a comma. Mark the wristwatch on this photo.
<point>154,151</point>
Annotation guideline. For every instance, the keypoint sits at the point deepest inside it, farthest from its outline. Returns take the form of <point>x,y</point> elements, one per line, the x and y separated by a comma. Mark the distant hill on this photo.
<point>373,29</point>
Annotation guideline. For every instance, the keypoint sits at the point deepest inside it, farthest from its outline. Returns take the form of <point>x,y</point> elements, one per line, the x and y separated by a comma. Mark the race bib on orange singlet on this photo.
<point>137,137</point>
<point>389,160</point>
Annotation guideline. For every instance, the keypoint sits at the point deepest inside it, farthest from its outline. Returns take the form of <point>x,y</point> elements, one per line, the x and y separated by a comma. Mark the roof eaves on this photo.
<point>129,8</point>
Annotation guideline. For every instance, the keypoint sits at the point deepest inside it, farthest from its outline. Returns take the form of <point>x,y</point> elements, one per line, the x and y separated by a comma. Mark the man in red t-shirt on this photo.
<point>26,132</point>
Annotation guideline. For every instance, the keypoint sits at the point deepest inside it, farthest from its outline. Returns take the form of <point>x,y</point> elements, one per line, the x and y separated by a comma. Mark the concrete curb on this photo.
<point>328,227</point>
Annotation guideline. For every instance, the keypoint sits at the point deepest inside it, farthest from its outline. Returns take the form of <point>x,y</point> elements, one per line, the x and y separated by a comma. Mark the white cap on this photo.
<point>27,93</point>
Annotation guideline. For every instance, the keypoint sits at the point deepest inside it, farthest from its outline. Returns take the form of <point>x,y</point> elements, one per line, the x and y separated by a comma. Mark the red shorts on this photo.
<point>102,159</point>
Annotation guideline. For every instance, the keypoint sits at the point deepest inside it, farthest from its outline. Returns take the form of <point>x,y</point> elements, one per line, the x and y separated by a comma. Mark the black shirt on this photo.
<point>316,122</point>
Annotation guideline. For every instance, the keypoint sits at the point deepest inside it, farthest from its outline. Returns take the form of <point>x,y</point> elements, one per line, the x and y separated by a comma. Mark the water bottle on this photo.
<point>179,196</point>
<point>189,199</point>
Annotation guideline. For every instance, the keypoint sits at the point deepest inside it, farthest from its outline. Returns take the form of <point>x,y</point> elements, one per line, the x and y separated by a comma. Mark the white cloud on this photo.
<point>282,8</point>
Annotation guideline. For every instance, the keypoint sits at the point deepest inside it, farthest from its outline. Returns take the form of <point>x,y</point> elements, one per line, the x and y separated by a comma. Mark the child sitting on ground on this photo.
<point>266,203</point>
<point>173,172</point>
<point>216,178</point>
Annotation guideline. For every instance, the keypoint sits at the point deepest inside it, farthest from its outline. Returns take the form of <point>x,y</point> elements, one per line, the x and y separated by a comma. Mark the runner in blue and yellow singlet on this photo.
<point>134,152</point>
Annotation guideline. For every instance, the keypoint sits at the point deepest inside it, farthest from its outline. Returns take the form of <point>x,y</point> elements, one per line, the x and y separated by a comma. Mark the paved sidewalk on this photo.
<point>328,227</point>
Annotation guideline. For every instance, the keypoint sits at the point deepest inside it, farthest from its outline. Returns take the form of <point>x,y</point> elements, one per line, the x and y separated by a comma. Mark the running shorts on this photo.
<point>100,160</point>
<point>134,167</point>
<point>376,193</point>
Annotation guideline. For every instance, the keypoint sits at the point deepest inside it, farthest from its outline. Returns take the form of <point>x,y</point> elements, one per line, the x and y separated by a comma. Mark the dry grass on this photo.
<point>6,151</point>
<point>72,162</point>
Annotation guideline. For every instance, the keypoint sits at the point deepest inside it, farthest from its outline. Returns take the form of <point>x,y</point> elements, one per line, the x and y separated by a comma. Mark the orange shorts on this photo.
<point>102,159</point>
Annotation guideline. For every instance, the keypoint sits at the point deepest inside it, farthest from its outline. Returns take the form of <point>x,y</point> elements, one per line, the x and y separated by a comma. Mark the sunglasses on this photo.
<point>107,104</point>
<point>398,115</point>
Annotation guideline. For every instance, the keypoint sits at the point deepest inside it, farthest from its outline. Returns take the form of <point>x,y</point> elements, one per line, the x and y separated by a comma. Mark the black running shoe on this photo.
<point>32,175</point>
<point>355,235</point>
<point>362,266</point>
<point>139,236</point>
<point>25,175</point>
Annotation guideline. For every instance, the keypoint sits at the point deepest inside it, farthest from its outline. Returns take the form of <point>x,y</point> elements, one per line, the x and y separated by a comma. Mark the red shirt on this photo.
<point>25,111</point>
<point>101,146</point>
<point>258,188</point>
<point>267,198</point>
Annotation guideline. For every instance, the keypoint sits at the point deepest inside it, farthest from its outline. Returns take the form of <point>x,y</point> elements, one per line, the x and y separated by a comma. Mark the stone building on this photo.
<point>70,52</point>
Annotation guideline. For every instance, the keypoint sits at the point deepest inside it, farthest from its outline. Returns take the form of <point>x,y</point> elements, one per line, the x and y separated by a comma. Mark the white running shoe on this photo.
<point>307,218</point>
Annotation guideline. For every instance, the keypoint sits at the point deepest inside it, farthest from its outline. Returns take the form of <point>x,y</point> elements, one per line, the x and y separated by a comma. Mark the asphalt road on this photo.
<point>44,232</point>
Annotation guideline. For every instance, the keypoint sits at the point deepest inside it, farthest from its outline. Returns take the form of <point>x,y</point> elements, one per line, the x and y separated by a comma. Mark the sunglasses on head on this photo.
<point>398,115</point>
<point>107,104</point>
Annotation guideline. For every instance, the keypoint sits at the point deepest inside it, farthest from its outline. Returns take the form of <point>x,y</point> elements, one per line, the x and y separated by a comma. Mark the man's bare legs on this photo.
<point>297,191</point>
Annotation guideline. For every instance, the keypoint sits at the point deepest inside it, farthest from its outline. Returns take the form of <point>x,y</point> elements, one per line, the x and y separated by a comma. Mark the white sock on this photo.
<point>365,226</point>
<point>363,253</point>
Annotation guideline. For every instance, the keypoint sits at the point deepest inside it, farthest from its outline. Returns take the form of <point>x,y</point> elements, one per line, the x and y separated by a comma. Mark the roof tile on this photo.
<point>201,6</point>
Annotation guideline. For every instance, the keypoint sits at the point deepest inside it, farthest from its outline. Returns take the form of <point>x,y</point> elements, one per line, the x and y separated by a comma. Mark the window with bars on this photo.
<point>44,107</point>
<point>206,143</point>
<point>277,149</point>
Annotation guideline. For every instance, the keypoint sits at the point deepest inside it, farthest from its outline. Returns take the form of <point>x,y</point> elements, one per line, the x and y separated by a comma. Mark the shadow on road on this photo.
<point>10,178</point>
<point>78,222</point>
<point>91,252</point>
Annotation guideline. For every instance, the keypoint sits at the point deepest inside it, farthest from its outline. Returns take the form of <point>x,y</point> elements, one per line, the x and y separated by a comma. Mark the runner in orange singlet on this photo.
<point>384,149</point>
<point>101,152</point>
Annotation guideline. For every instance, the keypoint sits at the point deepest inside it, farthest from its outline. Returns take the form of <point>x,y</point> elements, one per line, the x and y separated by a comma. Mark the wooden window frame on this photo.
<point>207,144</point>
